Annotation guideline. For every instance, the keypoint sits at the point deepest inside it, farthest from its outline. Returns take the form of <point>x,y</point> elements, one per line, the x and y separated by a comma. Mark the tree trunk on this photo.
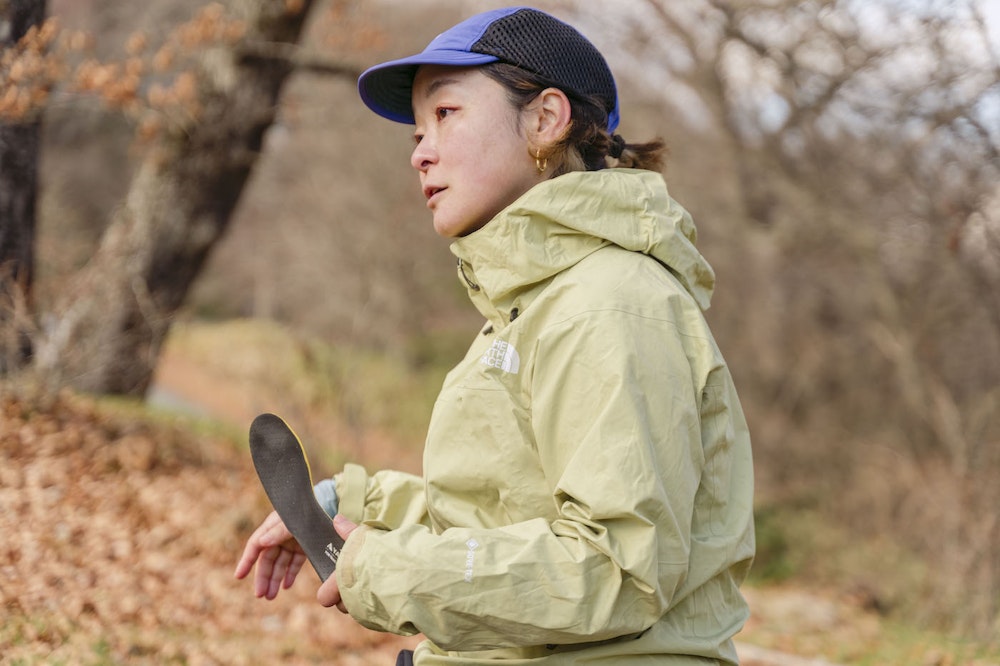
<point>18,191</point>
<point>108,334</point>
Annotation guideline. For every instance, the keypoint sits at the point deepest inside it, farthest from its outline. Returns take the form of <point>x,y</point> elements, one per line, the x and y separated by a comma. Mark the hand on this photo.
<point>278,556</point>
<point>329,592</point>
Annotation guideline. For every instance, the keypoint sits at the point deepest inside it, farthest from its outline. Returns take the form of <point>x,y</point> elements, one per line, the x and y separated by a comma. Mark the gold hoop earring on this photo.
<point>541,163</point>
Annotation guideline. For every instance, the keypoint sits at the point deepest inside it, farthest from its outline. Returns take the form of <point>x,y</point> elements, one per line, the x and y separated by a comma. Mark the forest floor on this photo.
<point>122,527</point>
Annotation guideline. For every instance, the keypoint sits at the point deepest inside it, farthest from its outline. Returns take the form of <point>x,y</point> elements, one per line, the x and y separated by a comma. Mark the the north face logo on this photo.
<point>502,355</point>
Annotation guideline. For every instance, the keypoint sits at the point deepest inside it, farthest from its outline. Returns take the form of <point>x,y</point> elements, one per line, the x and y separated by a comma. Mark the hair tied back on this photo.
<point>617,146</point>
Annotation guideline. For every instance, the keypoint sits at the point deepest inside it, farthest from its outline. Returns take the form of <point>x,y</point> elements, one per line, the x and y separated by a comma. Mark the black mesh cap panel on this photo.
<point>546,46</point>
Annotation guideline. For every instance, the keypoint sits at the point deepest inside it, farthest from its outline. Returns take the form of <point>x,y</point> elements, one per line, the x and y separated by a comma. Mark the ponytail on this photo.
<point>647,155</point>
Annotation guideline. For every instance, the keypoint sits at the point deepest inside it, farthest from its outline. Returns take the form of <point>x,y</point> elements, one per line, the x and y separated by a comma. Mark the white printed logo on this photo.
<point>470,558</point>
<point>332,552</point>
<point>502,355</point>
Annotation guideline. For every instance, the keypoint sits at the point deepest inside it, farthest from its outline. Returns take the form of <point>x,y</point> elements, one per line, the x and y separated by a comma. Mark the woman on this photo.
<point>587,488</point>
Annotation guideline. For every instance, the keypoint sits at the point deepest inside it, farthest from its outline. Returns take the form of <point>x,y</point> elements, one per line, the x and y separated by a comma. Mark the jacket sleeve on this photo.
<point>616,424</point>
<point>387,499</point>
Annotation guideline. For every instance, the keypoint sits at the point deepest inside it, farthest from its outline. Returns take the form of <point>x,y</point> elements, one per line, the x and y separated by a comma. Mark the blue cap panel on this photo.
<point>387,88</point>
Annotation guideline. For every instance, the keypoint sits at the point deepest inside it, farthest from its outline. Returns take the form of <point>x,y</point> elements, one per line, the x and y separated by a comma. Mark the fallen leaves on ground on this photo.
<point>121,536</point>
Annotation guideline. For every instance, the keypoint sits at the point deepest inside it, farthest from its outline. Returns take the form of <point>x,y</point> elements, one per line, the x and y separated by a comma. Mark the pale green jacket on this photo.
<point>587,488</point>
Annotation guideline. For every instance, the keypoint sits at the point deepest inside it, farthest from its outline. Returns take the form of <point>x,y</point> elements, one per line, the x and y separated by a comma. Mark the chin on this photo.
<point>453,229</point>
<point>443,230</point>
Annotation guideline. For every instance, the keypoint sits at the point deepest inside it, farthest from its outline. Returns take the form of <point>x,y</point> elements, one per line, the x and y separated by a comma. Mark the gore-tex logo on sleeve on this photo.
<point>470,558</point>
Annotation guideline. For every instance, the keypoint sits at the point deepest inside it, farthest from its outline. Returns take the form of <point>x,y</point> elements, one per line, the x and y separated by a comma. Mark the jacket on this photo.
<point>587,486</point>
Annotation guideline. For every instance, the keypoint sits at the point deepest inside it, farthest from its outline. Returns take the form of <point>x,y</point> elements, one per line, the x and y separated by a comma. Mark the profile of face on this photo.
<point>472,147</point>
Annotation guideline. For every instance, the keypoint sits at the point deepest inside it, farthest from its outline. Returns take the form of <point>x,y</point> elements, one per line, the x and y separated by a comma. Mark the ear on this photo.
<point>549,117</point>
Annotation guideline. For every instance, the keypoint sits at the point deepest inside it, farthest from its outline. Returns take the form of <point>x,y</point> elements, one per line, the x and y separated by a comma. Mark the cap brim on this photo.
<point>387,89</point>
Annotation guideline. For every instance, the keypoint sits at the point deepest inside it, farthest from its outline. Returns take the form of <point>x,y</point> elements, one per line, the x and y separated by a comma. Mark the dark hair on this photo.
<point>587,145</point>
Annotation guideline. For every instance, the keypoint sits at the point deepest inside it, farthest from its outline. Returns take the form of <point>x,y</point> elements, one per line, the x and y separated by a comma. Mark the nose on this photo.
<point>423,155</point>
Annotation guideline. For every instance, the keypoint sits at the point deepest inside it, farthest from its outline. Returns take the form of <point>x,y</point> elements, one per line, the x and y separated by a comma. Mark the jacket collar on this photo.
<point>557,223</point>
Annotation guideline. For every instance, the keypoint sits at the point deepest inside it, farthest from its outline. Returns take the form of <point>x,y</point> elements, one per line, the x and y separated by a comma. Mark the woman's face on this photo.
<point>472,158</point>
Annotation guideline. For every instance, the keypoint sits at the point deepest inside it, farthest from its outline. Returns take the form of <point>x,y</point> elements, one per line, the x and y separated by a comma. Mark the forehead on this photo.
<point>432,78</point>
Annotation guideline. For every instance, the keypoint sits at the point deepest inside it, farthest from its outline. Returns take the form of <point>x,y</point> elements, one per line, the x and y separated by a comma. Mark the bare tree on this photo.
<point>19,141</point>
<point>106,334</point>
<point>865,140</point>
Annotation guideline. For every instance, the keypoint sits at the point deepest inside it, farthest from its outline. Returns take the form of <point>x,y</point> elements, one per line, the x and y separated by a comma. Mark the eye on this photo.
<point>443,112</point>
<point>417,138</point>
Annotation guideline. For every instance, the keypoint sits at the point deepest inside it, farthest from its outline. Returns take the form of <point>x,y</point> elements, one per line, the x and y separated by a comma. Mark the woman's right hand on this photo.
<point>278,556</point>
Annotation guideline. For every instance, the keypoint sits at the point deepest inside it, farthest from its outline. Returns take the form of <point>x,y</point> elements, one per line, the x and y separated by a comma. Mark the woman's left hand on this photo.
<point>329,592</point>
<point>277,555</point>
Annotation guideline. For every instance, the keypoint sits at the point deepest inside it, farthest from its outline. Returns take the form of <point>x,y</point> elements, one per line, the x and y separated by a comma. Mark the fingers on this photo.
<point>277,555</point>
<point>267,566</point>
<point>328,593</point>
<point>250,553</point>
<point>260,539</point>
<point>294,567</point>
<point>273,572</point>
<point>343,526</point>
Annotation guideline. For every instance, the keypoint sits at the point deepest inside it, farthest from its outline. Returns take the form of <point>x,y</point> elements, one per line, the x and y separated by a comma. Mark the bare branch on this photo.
<point>303,61</point>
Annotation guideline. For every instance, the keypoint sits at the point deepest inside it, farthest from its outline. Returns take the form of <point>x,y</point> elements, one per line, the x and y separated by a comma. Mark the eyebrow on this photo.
<point>437,85</point>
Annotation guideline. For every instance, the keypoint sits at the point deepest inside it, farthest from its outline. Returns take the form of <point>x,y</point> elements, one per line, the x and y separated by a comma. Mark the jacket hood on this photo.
<point>557,223</point>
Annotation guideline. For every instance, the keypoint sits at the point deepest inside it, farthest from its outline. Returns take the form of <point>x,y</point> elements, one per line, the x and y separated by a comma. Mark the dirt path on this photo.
<point>187,385</point>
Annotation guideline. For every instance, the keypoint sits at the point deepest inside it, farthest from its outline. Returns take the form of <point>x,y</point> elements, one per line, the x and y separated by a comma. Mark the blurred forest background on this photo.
<point>840,157</point>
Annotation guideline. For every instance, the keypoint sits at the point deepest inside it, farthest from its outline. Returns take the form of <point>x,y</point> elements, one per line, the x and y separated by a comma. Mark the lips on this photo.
<point>431,191</point>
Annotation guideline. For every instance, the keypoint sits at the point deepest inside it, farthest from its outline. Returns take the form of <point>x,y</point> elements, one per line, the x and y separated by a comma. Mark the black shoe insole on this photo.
<point>283,470</point>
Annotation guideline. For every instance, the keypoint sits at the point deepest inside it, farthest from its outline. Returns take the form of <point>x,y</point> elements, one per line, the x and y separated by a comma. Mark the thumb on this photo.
<point>343,526</point>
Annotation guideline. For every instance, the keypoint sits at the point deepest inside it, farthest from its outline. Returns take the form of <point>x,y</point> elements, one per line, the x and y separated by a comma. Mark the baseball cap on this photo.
<point>520,36</point>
